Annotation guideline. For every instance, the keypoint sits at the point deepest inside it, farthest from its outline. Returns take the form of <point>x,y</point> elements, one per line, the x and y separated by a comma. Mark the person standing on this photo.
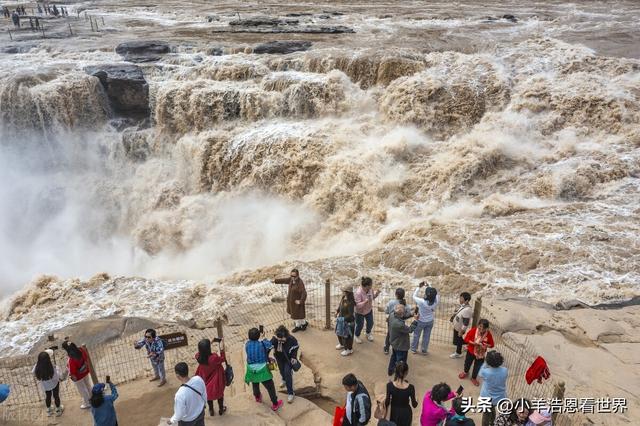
<point>433,410</point>
<point>461,321</point>
<point>78,366</point>
<point>364,297</point>
<point>49,377</point>
<point>296,299</point>
<point>494,384</point>
<point>358,406</point>
<point>190,400</point>
<point>15,18</point>
<point>478,340</point>
<point>399,394</point>
<point>286,354</point>
<point>155,353</point>
<point>258,367</point>
<point>427,309</point>
<point>102,409</point>
<point>389,309</point>
<point>211,371</point>
<point>399,337</point>
<point>345,322</point>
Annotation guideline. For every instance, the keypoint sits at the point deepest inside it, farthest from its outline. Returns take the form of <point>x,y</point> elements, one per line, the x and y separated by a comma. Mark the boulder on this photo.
<point>282,47</point>
<point>510,18</point>
<point>259,21</point>
<point>142,51</point>
<point>126,88</point>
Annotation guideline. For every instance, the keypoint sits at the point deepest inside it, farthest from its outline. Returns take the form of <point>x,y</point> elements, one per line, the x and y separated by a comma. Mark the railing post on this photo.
<point>477,310</point>
<point>219,328</point>
<point>92,371</point>
<point>327,304</point>
<point>558,394</point>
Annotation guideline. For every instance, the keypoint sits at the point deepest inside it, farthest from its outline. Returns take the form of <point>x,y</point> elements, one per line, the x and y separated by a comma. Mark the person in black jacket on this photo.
<point>459,419</point>
<point>358,402</point>
<point>286,353</point>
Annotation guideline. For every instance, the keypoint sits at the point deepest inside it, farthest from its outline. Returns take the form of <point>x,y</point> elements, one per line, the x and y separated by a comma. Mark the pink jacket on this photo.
<point>432,413</point>
<point>364,301</point>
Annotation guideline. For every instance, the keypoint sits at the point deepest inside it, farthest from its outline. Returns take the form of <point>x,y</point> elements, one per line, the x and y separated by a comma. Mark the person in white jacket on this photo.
<point>426,309</point>
<point>190,400</point>
<point>49,377</point>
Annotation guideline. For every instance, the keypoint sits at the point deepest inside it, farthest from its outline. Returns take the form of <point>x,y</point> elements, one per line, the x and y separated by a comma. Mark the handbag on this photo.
<point>271,363</point>
<point>228,374</point>
<point>380,412</point>
<point>339,414</point>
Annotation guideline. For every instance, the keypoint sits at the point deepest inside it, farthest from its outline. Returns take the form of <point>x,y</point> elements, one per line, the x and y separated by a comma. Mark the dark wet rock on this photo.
<point>215,51</point>
<point>334,13</point>
<point>282,47</point>
<point>289,30</point>
<point>15,49</point>
<point>510,18</point>
<point>296,14</point>
<point>212,18</point>
<point>143,51</point>
<point>262,21</point>
<point>126,88</point>
<point>324,17</point>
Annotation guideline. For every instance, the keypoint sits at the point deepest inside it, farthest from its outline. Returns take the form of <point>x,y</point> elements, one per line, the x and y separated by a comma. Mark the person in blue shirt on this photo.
<point>4,392</point>
<point>155,353</point>
<point>258,371</point>
<point>494,384</point>
<point>102,409</point>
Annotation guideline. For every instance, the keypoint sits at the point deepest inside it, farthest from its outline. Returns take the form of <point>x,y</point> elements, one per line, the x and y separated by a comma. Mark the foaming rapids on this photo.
<point>511,171</point>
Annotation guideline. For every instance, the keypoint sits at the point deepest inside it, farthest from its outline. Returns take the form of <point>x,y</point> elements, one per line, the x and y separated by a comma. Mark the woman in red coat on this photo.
<point>478,340</point>
<point>211,371</point>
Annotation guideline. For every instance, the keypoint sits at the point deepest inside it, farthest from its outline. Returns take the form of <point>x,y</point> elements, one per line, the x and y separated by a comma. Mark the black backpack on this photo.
<point>228,374</point>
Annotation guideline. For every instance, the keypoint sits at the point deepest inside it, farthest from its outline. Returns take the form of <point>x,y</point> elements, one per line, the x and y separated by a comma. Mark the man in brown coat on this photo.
<point>296,298</point>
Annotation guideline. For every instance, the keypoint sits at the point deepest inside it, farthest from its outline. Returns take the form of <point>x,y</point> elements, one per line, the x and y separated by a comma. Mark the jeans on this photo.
<point>286,373</point>
<point>347,342</point>
<point>158,369</point>
<point>56,396</point>
<point>360,319</point>
<point>477,363</point>
<point>269,386</point>
<point>423,327</point>
<point>396,358</point>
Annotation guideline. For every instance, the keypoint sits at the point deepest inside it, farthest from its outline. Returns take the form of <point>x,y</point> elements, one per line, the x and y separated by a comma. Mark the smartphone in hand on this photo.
<point>108,379</point>
<point>217,340</point>
<point>459,391</point>
<point>261,328</point>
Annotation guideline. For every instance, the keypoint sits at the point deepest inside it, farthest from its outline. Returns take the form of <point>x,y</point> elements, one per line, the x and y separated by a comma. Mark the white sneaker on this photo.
<point>49,411</point>
<point>346,352</point>
<point>357,339</point>
<point>60,410</point>
<point>338,347</point>
<point>455,355</point>
<point>370,337</point>
<point>290,398</point>
<point>84,406</point>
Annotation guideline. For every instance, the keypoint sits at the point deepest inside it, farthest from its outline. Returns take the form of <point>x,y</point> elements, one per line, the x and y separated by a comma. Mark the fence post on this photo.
<point>219,328</point>
<point>558,393</point>
<point>94,375</point>
<point>477,310</point>
<point>327,304</point>
<point>70,32</point>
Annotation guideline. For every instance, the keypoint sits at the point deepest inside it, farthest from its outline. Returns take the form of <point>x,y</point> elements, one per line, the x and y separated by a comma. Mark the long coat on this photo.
<point>296,291</point>
<point>213,375</point>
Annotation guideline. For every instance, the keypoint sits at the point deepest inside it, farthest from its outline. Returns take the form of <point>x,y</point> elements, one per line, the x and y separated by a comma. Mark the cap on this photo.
<point>540,417</point>
<point>4,392</point>
<point>98,388</point>
<point>347,287</point>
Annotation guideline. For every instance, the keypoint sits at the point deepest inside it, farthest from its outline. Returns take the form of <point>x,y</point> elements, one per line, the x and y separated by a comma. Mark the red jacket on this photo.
<point>78,368</point>
<point>470,337</point>
<point>213,376</point>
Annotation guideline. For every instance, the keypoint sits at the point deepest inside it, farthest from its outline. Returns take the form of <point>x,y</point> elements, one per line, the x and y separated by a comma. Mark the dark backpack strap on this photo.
<point>187,386</point>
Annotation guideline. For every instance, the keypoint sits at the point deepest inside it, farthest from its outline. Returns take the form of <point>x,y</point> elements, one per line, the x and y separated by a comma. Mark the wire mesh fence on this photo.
<point>123,363</point>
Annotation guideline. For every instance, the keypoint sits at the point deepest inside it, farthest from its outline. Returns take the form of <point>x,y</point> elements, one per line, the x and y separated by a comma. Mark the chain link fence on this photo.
<point>123,363</point>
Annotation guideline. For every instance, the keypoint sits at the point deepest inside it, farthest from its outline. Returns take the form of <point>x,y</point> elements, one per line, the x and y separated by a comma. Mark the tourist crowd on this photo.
<point>264,356</point>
